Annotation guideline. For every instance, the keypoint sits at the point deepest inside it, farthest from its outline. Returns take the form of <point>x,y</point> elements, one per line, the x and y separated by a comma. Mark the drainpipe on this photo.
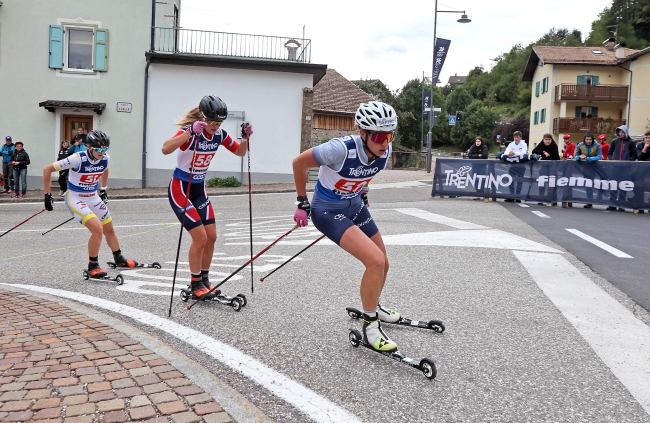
<point>144,126</point>
<point>629,99</point>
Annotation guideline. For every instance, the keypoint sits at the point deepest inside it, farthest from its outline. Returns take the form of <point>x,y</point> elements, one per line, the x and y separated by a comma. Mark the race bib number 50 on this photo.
<point>345,185</point>
<point>89,179</point>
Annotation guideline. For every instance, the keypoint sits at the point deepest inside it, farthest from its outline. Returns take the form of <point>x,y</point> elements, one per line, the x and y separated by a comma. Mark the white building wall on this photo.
<point>271,101</point>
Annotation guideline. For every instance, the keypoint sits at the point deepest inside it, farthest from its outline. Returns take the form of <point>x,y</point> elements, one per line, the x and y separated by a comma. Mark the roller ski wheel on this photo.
<point>185,296</point>
<point>237,303</point>
<point>435,325</point>
<point>244,301</point>
<point>154,265</point>
<point>427,365</point>
<point>119,278</point>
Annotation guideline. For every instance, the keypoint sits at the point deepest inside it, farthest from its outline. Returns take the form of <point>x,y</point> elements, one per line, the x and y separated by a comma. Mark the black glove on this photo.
<point>364,198</point>
<point>303,204</point>
<point>103,195</point>
<point>48,202</point>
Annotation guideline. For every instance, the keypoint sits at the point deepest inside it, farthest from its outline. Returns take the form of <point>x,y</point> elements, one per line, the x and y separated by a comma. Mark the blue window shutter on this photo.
<point>101,50</point>
<point>594,111</point>
<point>537,89</point>
<point>581,80</point>
<point>578,111</point>
<point>536,118</point>
<point>543,118</point>
<point>56,47</point>
<point>594,80</point>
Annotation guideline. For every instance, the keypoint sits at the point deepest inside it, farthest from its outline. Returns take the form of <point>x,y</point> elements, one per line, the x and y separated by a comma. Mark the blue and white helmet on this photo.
<point>376,116</point>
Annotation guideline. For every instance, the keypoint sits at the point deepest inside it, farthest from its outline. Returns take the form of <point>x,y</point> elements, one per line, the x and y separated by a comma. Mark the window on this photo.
<point>81,49</point>
<point>537,89</point>
<point>536,118</point>
<point>587,79</point>
<point>585,112</point>
<point>545,85</point>
<point>542,118</point>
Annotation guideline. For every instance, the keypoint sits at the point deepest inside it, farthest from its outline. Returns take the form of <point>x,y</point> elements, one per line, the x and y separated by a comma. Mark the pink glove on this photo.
<point>247,131</point>
<point>197,127</point>
<point>300,217</point>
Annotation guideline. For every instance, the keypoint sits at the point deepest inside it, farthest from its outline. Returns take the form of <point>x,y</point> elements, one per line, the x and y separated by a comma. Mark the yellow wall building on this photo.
<point>580,89</point>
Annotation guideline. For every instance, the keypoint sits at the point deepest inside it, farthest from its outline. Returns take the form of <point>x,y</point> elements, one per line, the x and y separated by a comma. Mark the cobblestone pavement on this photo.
<point>58,365</point>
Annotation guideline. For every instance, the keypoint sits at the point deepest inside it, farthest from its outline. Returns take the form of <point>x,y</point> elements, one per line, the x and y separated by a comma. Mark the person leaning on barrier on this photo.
<point>478,150</point>
<point>622,148</point>
<point>643,148</point>
<point>516,152</point>
<point>547,149</point>
<point>588,151</point>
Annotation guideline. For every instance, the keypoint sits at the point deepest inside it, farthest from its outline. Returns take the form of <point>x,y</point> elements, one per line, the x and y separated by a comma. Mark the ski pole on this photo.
<point>180,235</point>
<point>250,206</point>
<point>22,223</point>
<point>60,224</point>
<point>213,289</point>
<point>297,254</point>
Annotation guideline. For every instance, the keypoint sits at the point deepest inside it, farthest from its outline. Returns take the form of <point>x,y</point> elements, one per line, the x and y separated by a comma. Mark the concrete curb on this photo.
<point>234,403</point>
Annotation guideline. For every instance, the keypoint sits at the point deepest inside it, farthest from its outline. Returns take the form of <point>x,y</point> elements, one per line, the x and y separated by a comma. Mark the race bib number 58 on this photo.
<point>89,179</point>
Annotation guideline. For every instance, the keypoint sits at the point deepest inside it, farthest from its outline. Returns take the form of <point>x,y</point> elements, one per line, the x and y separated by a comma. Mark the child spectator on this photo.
<point>20,161</point>
<point>63,174</point>
<point>78,145</point>
<point>569,149</point>
<point>604,146</point>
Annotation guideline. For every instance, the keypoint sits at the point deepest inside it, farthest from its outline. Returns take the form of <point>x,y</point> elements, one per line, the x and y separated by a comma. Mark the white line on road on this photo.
<point>523,205</point>
<point>304,399</point>
<point>438,218</point>
<point>540,214</point>
<point>601,244</point>
<point>621,340</point>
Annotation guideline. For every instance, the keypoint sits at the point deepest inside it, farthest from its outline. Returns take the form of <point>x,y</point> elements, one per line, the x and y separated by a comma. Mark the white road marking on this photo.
<point>523,205</point>
<point>540,214</point>
<point>621,340</point>
<point>304,399</point>
<point>438,218</point>
<point>597,243</point>
<point>487,238</point>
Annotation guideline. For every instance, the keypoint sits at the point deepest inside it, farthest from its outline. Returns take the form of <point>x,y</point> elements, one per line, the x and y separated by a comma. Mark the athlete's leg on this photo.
<point>355,242</point>
<point>208,250</point>
<point>111,236</point>
<point>96,233</point>
<point>199,240</point>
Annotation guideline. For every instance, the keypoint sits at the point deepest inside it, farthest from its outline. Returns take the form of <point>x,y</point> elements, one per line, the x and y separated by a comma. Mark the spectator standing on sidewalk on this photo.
<point>515,153</point>
<point>644,151</point>
<point>589,151</point>
<point>602,140</point>
<point>478,150</point>
<point>7,151</point>
<point>20,161</point>
<point>622,148</point>
<point>63,174</point>
<point>569,149</point>
<point>546,150</point>
<point>78,145</point>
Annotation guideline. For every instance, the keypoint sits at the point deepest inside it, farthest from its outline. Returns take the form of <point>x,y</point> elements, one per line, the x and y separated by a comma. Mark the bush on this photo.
<point>230,181</point>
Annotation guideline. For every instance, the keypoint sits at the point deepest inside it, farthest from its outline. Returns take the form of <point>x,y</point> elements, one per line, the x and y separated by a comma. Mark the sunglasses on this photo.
<point>379,138</point>
<point>101,149</point>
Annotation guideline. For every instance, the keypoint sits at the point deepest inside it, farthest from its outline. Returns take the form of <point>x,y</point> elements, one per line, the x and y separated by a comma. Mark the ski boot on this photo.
<point>387,315</point>
<point>121,261</point>
<point>205,278</point>
<point>374,336</point>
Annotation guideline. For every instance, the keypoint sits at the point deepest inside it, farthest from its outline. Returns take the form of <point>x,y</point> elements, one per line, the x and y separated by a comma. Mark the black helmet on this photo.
<point>213,108</point>
<point>97,139</point>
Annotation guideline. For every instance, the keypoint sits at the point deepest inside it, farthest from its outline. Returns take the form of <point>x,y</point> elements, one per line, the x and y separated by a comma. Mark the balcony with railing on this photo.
<point>575,92</point>
<point>595,125</point>
<point>209,43</point>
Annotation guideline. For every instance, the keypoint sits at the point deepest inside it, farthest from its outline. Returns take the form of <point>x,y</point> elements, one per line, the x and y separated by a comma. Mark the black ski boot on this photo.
<point>205,277</point>
<point>121,261</point>
<point>94,271</point>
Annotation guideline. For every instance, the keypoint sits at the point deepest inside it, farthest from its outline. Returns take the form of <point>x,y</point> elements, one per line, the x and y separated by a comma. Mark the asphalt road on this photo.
<point>511,351</point>
<point>626,232</point>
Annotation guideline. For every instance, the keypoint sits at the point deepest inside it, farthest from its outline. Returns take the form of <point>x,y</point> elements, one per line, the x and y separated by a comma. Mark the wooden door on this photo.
<point>72,122</point>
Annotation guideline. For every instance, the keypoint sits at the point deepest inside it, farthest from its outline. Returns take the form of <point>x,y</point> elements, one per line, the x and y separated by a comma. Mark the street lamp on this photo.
<point>463,19</point>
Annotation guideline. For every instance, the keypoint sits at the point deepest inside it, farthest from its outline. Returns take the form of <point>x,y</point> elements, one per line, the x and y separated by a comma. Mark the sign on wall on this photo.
<point>123,107</point>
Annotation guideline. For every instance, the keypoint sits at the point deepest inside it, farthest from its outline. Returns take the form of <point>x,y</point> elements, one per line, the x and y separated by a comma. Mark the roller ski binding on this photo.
<point>389,316</point>
<point>95,273</point>
<point>121,261</point>
<point>376,340</point>
<point>211,296</point>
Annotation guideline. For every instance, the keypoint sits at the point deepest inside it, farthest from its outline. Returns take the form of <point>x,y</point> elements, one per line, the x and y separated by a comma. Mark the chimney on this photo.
<point>620,51</point>
<point>610,44</point>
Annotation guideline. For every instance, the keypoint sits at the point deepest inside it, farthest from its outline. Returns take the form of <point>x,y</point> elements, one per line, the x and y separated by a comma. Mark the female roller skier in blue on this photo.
<point>339,207</point>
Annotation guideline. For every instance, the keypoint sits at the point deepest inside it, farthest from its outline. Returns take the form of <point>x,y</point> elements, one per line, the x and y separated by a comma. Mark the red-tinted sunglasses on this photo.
<point>379,138</point>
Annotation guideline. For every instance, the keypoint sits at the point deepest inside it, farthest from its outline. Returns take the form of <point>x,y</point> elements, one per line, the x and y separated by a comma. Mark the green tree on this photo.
<point>478,120</point>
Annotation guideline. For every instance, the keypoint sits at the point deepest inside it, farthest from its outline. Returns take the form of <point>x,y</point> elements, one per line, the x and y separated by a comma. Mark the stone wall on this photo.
<point>307,118</point>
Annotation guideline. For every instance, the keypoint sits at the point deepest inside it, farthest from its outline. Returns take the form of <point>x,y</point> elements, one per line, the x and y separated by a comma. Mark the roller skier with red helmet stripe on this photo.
<point>88,206</point>
<point>339,209</point>
<point>196,143</point>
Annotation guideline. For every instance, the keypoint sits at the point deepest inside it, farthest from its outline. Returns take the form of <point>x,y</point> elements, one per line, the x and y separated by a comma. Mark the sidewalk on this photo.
<point>385,176</point>
<point>58,365</point>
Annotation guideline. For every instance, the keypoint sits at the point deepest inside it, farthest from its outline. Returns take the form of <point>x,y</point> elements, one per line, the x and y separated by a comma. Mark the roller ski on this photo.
<point>389,316</point>
<point>201,290</point>
<point>376,340</point>
<point>96,273</point>
<point>123,262</point>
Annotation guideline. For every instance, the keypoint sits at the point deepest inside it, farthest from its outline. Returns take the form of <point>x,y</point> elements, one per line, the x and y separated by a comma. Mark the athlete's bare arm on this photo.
<point>104,178</point>
<point>173,143</point>
<point>242,149</point>
<point>47,178</point>
<point>300,165</point>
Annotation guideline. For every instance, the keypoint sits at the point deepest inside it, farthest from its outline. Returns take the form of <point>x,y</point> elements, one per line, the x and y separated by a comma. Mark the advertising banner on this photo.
<point>426,103</point>
<point>440,53</point>
<point>609,183</point>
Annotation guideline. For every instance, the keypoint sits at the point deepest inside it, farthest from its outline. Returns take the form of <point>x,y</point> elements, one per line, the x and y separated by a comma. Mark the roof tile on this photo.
<point>334,93</point>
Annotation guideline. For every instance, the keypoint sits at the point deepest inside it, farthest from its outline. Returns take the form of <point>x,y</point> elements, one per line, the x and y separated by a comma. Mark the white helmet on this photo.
<point>376,116</point>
